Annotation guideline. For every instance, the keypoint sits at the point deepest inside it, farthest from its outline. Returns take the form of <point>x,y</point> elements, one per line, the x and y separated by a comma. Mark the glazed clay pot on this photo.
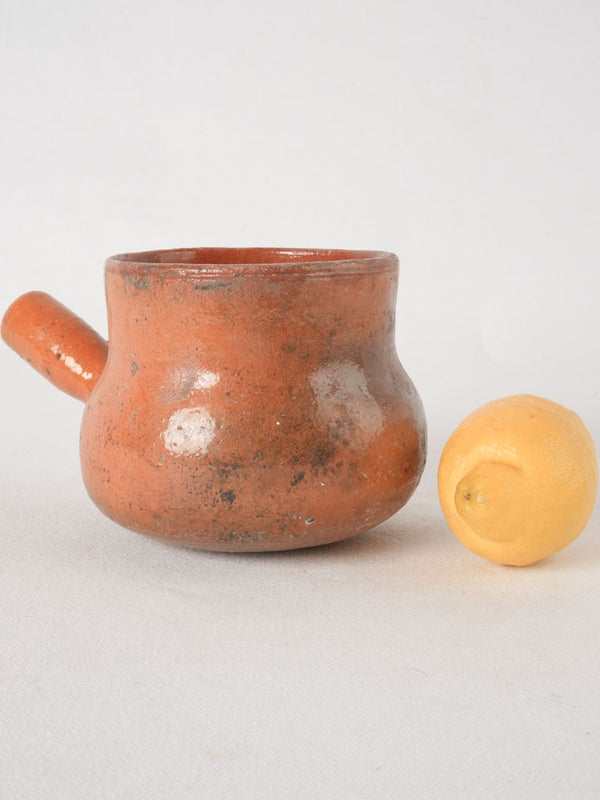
<point>250,399</point>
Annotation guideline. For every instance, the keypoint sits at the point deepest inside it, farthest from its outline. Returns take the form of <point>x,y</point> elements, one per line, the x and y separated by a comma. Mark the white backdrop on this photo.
<point>463,136</point>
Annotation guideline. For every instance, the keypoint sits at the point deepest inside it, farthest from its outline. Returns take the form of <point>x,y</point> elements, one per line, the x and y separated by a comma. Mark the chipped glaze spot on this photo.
<point>345,404</point>
<point>189,432</point>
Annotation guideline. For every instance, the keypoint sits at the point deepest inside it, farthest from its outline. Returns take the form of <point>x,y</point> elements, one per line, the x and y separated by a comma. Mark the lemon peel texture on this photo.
<point>517,479</point>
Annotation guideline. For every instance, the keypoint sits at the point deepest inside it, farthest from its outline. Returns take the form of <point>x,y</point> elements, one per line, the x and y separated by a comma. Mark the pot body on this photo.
<point>252,406</point>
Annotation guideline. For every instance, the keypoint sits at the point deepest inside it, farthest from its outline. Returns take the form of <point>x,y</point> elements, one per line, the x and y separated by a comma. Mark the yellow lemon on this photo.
<point>517,479</point>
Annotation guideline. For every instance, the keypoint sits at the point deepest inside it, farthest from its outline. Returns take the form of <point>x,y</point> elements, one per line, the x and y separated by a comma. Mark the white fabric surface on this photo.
<point>393,665</point>
<point>461,135</point>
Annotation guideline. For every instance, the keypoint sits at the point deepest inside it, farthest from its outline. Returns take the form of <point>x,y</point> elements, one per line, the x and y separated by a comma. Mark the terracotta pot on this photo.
<point>250,399</point>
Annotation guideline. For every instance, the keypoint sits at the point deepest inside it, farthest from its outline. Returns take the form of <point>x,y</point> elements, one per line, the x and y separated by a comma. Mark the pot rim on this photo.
<point>244,261</point>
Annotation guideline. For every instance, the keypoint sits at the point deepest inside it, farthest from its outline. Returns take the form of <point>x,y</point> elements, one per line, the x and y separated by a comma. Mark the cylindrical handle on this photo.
<point>56,342</point>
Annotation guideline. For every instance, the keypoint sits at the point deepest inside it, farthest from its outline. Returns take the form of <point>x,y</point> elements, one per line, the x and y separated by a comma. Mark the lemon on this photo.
<point>517,479</point>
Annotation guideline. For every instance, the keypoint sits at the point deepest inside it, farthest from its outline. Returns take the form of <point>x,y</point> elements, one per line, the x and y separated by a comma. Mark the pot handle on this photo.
<point>57,343</point>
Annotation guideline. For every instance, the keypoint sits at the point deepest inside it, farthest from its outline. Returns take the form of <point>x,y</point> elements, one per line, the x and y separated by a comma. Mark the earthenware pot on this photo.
<point>250,399</point>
